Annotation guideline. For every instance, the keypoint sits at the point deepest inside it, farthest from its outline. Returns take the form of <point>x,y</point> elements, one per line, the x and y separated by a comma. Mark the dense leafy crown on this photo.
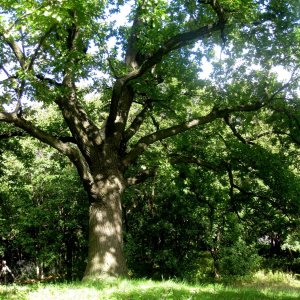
<point>56,52</point>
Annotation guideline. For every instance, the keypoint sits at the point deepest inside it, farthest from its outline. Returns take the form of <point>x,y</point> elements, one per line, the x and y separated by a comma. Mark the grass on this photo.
<point>261,286</point>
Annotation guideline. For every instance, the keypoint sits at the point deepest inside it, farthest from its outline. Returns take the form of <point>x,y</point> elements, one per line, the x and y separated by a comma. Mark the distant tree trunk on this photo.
<point>275,244</point>
<point>105,254</point>
<point>39,269</point>
<point>69,246</point>
<point>216,267</point>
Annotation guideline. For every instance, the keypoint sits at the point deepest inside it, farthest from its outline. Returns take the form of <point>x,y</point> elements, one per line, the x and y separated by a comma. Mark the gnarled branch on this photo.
<point>15,48</point>
<point>149,61</point>
<point>145,141</point>
<point>36,132</point>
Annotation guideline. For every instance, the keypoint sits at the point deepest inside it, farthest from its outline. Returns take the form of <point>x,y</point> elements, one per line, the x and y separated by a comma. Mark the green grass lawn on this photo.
<point>270,286</point>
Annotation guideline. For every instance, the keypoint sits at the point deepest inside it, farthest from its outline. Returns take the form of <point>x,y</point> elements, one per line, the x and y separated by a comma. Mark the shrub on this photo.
<point>239,260</point>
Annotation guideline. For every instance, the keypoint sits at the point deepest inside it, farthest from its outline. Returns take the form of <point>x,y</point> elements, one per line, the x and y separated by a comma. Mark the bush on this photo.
<point>198,266</point>
<point>239,260</point>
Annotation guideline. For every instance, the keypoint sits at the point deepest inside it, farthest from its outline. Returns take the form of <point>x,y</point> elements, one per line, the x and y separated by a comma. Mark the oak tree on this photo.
<point>120,88</point>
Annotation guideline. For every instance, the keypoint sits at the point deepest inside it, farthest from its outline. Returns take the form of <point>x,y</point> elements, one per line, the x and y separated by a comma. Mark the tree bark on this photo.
<point>105,256</point>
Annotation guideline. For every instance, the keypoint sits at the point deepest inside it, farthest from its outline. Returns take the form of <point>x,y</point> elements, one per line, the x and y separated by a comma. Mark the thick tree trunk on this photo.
<point>106,257</point>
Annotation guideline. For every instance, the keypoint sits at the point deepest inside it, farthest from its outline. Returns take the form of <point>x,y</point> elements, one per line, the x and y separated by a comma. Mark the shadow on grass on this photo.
<point>147,290</point>
<point>173,293</point>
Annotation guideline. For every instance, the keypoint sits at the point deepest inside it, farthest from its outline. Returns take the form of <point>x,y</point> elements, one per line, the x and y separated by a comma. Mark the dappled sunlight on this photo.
<point>105,244</point>
<point>49,293</point>
<point>125,101</point>
<point>108,289</point>
<point>274,281</point>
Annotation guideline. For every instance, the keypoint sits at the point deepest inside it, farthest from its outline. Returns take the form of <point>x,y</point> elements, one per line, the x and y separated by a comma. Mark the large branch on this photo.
<point>131,58</point>
<point>8,39</point>
<point>118,102</point>
<point>122,98</point>
<point>72,153</point>
<point>84,131</point>
<point>20,133</point>
<point>216,6</point>
<point>34,131</point>
<point>146,141</point>
<point>178,41</point>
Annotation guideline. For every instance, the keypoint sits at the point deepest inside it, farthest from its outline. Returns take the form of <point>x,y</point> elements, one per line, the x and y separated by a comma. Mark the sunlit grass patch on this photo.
<point>274,280</point>
<point>13,292</point>
<point>277,285</point>
<point>276,277</point>
<point>63,292</point>
<point>259,287</point>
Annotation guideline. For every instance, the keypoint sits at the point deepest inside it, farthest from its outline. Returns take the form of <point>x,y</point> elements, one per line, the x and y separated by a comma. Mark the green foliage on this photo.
<point>239,260</point>
<point>41,213</point>
<point>198,266</point>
